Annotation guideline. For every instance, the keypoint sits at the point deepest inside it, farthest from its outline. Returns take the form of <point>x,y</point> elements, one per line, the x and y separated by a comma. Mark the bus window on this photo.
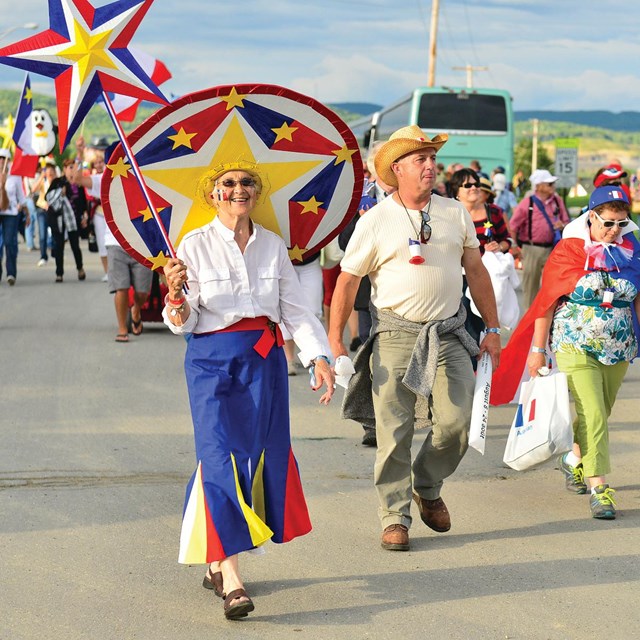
<point>362,128</point>
<point>462,111</point>
<point>392,119</point>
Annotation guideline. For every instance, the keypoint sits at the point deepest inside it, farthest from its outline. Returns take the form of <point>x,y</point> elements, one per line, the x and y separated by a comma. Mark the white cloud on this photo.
<point>548,54</point>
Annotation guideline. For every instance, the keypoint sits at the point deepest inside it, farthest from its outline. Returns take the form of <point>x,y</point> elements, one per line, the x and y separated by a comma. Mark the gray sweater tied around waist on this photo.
<point>421,369</point>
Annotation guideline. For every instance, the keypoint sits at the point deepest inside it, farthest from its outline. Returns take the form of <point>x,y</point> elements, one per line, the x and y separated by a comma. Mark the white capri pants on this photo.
<point>100,227</point>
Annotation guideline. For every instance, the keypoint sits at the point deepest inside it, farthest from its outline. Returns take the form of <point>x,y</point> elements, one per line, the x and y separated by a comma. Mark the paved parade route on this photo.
<point>95,451</point>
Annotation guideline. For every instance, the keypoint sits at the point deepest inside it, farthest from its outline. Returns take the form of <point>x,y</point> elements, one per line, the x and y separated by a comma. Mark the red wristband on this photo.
<point>174,303</point>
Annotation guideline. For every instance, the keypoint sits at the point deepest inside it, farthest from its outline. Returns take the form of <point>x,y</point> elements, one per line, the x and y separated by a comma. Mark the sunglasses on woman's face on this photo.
<point>608,224</point>
<point>230,183</point>
<point>468,185</point>
<point>425,228</point>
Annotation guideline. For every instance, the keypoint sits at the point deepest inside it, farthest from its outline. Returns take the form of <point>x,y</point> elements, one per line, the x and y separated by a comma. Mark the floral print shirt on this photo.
<point>580,325</point>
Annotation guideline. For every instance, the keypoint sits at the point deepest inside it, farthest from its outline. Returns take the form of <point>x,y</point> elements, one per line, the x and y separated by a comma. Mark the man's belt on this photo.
<point>545,245</point>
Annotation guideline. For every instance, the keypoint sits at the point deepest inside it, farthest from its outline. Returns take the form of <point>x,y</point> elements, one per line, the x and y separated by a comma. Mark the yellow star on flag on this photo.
<point>178,185</point>
<point>147,215</point>
<point>487,225</point>
<point>182,139</point>
<point>28,95</point>
<point>285,132</point>
<point>120,168</point>
<point>234,99</point>
<point>158,261</point>
<point>344,155</point>
<point>88,50</point>
<point>310,205</point>
<point>296,253</point>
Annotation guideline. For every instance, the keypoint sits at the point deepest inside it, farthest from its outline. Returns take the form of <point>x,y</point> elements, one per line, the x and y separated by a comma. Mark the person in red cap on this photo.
<point>612,175</point>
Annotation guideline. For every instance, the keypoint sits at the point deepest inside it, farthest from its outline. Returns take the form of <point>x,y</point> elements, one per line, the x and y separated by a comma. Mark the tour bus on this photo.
<point>479,123</point>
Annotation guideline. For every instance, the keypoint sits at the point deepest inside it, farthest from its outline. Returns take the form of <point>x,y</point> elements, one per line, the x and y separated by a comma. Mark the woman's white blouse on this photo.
<point>226,285</point>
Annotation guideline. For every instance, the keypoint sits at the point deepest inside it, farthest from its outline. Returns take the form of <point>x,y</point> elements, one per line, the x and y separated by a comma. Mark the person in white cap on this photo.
<point>412,245</point>
<point>537,224</point>
<point>11,199</point>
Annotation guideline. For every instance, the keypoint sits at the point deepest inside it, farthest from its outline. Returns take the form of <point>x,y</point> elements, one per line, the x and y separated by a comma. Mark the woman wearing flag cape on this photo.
<point>587,311</point>
<point>240,285</point>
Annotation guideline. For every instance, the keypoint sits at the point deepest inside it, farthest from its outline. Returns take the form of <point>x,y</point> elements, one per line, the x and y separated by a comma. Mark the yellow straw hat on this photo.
<point>401,142</point>
<point>208,180</point>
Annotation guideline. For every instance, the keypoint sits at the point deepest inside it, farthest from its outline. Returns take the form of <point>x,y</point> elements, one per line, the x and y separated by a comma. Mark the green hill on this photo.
<point>625,121</point>
<point>597,145</point>
<point>98,124</point>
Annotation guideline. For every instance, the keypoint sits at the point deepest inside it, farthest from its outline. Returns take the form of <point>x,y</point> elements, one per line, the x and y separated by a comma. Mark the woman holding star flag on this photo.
<point>240,285</point>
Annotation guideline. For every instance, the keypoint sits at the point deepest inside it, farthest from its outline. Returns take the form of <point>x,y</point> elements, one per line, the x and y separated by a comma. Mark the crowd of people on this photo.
<point>411,277</point>
<point>49,210</point>
<point>60,205</point>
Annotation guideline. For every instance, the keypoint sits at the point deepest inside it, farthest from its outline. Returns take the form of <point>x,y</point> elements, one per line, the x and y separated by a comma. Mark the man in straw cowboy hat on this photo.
<point>413,246</point>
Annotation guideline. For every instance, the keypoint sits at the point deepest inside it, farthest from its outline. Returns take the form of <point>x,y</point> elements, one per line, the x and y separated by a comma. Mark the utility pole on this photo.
<point>534,146</point>
<point>435,9</point>
<point>470,69</point>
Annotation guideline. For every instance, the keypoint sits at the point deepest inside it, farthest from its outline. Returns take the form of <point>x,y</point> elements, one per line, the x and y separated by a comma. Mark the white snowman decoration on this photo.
<point>44,132</point>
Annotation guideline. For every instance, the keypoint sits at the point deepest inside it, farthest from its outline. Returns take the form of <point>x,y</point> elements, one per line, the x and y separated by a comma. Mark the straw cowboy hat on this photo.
<point>401,142</point>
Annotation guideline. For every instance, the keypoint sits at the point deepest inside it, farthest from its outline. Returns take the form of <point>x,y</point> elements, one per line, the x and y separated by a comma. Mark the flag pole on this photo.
<point>137,173</point>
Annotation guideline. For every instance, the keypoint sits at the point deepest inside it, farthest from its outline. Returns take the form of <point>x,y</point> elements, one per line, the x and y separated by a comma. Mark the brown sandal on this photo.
<point>213,581</point>
<point>241,606</point>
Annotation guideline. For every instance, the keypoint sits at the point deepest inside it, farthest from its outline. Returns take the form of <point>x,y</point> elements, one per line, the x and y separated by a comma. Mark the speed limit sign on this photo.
<point>566,164</point>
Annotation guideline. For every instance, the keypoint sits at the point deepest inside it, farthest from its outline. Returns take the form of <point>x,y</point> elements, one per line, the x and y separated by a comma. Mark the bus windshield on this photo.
<point>458,112</point>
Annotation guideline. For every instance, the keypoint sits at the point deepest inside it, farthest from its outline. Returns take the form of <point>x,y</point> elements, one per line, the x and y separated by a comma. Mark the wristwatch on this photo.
<point>538,350</point>
<point>495,330</point>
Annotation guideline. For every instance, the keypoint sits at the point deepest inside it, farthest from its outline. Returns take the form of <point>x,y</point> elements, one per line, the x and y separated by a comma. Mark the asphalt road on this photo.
<point>95,451</point>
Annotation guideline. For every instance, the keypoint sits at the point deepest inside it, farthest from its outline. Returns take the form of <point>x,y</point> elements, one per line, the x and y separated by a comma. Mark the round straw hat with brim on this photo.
<point>401,142</point>
<point>208,180</point>
<point>486,186</point>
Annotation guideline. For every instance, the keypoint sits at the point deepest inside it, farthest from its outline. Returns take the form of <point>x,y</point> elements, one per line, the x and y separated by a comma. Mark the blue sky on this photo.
<point>568,54</point>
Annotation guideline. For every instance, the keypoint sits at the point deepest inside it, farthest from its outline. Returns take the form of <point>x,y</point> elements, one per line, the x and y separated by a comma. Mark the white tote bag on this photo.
<point>480,407</point>
<point>542,427</point>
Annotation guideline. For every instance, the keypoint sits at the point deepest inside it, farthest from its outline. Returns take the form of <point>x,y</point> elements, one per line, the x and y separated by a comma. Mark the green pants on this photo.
<point>394,406</point>
<point>594,387</point>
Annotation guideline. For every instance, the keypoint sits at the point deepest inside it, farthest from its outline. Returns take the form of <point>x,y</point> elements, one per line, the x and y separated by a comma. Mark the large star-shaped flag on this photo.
<point>85,50</point>
<point>307,159</point>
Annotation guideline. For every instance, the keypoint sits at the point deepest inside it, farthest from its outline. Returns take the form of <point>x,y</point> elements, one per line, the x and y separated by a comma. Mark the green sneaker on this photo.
<point>573,476</point>
<point>602,504</point>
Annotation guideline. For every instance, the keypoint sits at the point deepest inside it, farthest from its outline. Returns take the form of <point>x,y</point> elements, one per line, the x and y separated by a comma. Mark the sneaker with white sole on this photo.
<point>42,262</point>
<point>573,476</point>
<point>11,280</point>
<point>602,504</point>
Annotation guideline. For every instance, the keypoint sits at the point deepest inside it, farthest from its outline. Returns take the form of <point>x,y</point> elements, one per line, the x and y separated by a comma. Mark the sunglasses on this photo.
<point>425,229</point>
<point>230,183</point>
<point>608,224</point>
<point>468,185</point>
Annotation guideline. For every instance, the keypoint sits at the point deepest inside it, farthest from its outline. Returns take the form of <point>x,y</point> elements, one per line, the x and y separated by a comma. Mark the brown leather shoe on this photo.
<point>395,537</point>
<point>434,513</point>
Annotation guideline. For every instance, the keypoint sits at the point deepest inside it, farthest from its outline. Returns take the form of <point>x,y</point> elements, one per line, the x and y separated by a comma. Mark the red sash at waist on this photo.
<point>271,333</point>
